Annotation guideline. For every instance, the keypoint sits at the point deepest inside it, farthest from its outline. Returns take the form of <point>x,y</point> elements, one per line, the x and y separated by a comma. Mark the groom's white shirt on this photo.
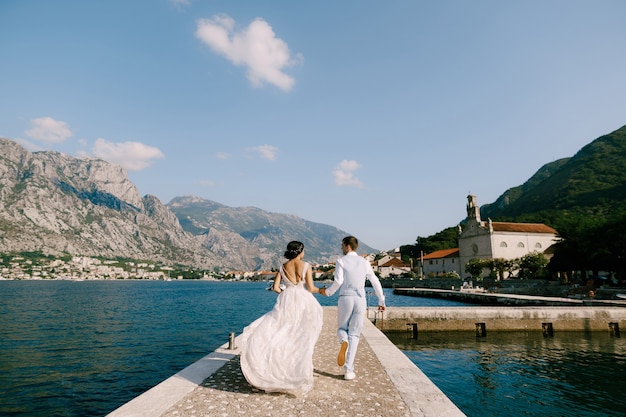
<point>352,270</point>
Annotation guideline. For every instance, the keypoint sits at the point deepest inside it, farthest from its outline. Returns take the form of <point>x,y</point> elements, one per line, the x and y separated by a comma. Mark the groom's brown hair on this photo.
<point>351,241</point>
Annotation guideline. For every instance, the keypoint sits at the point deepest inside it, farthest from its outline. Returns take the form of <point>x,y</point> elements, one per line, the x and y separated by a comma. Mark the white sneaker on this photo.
<point>349,376</point>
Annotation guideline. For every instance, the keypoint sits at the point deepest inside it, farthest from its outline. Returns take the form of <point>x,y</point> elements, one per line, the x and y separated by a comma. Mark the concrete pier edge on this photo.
<point>163,396</point>
<point>421,396</point>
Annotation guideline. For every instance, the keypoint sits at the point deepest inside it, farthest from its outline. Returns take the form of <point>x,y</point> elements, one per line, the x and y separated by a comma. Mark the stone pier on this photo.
<point>387,384</point>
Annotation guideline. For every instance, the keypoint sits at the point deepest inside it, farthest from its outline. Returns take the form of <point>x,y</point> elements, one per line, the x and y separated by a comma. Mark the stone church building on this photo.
<point>490,240</point>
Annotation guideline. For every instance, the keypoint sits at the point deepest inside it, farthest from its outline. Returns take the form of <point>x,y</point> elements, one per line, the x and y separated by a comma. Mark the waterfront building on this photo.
<point>480,239</point>
<point>392,266</point>
<point>442,262</point>
<point>492,240</point>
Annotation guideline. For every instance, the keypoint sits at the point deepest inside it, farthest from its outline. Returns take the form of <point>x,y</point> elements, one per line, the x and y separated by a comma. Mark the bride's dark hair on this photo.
<point>294,248</point>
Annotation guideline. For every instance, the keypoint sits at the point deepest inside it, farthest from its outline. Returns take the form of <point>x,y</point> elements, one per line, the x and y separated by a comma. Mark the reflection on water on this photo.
<point>524,373</point>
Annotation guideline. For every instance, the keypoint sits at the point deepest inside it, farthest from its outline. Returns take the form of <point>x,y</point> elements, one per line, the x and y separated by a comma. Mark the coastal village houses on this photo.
<point>441,262</point>
<point>488,240</point>
<point>390,265</point>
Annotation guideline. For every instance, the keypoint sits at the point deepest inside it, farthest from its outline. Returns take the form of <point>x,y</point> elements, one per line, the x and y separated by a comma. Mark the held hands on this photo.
<point>381,308</point>
<point>323,291</point>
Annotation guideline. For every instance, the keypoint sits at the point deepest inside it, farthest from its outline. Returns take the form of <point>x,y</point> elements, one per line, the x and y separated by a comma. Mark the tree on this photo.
<point>533,266</point>
<point>446,239</point>
<point>608,244</point>
<point>499,266</point>
<point>475,267</point>
<point>590,244</point>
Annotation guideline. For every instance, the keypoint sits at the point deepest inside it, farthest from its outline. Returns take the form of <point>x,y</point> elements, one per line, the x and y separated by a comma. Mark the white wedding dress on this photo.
<point>277,348</point>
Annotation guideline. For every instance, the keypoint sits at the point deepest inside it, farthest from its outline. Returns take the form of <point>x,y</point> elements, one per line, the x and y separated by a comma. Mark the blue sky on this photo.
<point>378,118</point>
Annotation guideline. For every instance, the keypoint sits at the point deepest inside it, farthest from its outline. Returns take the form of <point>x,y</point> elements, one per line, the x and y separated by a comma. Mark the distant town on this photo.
<point>37,266</point>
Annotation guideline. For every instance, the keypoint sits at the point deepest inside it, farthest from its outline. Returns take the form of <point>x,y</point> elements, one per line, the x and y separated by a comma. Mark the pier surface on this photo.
<point>506,299</point>
<point>387,384</point>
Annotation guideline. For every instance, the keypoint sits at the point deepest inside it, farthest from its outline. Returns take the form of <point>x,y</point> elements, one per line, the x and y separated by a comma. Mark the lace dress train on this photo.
<point>277,348</point>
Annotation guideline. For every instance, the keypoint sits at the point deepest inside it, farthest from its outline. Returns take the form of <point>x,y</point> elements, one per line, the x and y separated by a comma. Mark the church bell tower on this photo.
<point>473,210</point>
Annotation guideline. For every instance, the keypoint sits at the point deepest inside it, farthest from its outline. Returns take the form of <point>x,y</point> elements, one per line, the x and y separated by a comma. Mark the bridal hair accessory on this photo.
<point>294,248</point>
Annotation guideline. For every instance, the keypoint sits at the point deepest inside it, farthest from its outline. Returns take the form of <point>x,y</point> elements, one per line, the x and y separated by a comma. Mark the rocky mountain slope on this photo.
<point>255,234</point>
<point>57,204</point>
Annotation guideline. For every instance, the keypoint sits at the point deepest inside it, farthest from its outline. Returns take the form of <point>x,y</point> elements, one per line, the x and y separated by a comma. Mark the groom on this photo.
<point>351,271</point>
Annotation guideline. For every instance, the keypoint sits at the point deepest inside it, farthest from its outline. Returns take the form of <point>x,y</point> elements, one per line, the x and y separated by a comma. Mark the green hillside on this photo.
<point>590,184</point>
<point>582,197</point>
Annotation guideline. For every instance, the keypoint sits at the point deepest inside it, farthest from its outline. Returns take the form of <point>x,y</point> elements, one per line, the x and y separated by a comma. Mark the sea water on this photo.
<point>570,374</point>
<point>85,348</point>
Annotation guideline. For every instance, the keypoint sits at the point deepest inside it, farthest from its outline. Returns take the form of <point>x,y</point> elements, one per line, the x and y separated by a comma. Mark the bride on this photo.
<point>277,348</point>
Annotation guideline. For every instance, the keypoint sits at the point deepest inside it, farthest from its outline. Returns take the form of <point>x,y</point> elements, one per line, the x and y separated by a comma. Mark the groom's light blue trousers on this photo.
<point>350,315</point>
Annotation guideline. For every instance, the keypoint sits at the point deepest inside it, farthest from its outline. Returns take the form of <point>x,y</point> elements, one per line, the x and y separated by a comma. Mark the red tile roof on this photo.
<point>522,227</point>
<point>397,262</point>
<point>444,253</point>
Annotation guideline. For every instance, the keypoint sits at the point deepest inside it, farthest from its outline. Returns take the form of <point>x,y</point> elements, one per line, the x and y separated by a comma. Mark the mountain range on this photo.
<point>253,236</point>
<point>57,204</point>
<point>589,185</point>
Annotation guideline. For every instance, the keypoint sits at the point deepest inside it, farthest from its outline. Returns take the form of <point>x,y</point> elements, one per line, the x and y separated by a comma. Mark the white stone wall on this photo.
<point>477,245</point>
<point>442,266</point>
<point>386,271</point>
<point>506,245</point>
<point>476,240</point>
<point>515,245</point>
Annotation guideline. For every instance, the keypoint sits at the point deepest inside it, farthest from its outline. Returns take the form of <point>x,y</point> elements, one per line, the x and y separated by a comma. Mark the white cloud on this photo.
<point>222,155</point>
<point>346,165</point>
<point>48,130</point>
<point>132,156</point>
<point>265,151</point>
<point>208,183</point>
<point>255,47</point>
<point>180,3</point>
<point>344,174</point>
